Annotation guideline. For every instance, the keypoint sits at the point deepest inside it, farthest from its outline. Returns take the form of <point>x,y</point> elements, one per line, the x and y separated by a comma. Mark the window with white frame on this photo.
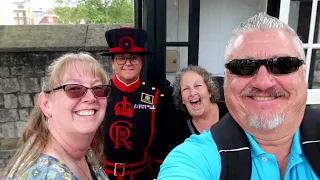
<point>303,17</point>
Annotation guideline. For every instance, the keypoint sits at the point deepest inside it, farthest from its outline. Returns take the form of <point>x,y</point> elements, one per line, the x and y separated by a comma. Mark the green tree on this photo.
<point>121,11</point>
<point>95,11</point>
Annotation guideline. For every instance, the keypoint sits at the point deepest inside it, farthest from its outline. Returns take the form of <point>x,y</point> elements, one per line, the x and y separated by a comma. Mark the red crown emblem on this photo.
<point>124,108</point>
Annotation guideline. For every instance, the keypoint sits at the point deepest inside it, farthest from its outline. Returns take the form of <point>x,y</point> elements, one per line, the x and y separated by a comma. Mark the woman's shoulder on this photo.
<point>47,167</point>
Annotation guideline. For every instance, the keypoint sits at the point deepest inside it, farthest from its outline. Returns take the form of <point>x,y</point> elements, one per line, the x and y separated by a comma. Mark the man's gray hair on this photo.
<point>259,22</point>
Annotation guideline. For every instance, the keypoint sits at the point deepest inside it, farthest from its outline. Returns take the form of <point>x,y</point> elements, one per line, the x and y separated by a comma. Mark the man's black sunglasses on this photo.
<point>78,90</point>
<point>276,66</point>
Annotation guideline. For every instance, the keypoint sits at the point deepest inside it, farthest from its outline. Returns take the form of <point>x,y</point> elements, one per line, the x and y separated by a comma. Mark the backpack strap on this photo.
<point>236,156</point>
<point>310,138</point>
<point>234,149</point>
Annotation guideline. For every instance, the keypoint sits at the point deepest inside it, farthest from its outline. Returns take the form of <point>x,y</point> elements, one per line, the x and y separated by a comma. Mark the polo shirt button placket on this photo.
<point>264,159</point>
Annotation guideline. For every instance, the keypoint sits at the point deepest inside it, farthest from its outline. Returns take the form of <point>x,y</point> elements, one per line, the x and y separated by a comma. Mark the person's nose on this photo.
<point>193,91</point>
<point>89,97</point>
<point>128,62</point>
<point>263,80</point>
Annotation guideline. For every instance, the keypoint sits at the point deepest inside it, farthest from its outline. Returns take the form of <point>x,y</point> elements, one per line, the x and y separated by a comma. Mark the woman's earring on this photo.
<point>48,120</point>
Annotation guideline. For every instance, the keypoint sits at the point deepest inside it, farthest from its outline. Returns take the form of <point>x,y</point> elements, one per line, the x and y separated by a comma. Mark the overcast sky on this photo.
<point>42,3</point>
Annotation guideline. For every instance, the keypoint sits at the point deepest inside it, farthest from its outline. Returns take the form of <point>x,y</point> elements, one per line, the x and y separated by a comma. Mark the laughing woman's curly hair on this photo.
<point>208,78</point>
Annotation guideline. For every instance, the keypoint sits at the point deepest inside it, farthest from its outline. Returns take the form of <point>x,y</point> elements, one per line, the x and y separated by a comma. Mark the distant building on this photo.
<point>37,14</point>
<point>47,17</point>
<point>15,12</point>
<point>22,12</point>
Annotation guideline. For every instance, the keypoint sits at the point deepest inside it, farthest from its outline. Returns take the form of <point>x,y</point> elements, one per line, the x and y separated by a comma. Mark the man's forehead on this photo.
<point>263,44</point>
<point>262,37</point>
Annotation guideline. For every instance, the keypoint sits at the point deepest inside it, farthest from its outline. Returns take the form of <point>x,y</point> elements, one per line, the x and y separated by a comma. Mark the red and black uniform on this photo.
<point>130,130</point>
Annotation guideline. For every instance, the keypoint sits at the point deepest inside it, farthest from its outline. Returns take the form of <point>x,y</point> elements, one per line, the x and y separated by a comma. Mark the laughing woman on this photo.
<point>61,127</point>
<point>197,91</point>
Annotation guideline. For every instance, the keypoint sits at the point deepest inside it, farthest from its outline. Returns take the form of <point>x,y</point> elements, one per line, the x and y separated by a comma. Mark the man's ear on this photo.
<point>44,104</point>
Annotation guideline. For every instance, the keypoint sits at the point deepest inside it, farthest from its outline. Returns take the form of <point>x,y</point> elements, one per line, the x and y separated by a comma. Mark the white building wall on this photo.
<point>217,20</point>
<point>6,12</point>
<point>177,31</point>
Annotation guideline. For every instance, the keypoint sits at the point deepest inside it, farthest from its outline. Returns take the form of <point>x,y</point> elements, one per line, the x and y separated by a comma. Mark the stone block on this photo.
<point>20,127</point>
<point>9,144</point>
<point>47,37</point>
<point>9,130</point>
<point>35,99</point>
<point>43,79</point>
<point>3,164</point>
<point>25,100</point>
<point>5,154</point>
<point>9,85</point>
<point>27,71</point>
<point>29,85</point>
<point>24,114</point>
<point>4,59</point>
<point>1,133</point>
<point>8,115</point>
<point>4,72</point>
<point>10,101</point>
<point>1,171</point>
<point>1,101</point>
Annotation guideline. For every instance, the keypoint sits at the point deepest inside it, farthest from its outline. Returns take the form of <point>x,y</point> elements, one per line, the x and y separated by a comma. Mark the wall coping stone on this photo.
<point>57,38</point>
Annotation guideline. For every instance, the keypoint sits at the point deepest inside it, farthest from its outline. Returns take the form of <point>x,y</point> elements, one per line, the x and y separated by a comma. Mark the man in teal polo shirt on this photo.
<point>269,133</point>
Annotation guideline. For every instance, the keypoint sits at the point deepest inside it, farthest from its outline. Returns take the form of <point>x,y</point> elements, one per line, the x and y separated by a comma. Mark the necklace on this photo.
<point>83,171</point>
<point>70,158</point>
<point>89,178</point>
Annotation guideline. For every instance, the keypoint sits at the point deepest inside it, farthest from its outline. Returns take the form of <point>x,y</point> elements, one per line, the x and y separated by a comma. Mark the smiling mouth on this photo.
<point>265,98</point>
<point>195,102</point>
<point>86,112</point>
<point>257,98</point>
<point>268,95</point>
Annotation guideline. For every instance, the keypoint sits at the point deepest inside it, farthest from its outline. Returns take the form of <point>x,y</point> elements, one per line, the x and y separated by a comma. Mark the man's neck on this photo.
<point>280,149</point>
<point>279,145</point>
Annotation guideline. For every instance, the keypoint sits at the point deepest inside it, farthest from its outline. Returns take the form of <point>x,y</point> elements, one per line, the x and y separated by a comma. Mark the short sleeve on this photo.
<point>195,159</point>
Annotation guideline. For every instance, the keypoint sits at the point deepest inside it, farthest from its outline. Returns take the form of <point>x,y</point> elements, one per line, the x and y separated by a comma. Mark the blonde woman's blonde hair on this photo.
<point>35,136</point>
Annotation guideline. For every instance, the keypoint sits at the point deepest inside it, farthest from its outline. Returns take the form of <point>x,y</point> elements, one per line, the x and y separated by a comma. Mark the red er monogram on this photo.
<point>120,130</point>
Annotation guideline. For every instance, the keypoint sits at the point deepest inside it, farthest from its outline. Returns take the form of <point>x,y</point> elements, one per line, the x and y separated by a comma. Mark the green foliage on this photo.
<point>95,11</point>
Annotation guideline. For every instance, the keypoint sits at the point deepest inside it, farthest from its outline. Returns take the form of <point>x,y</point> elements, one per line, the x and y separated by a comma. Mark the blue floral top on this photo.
<point>49,168</point>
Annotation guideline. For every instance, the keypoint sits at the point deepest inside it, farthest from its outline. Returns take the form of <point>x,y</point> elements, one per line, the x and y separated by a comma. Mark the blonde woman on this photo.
<point>61,127</point>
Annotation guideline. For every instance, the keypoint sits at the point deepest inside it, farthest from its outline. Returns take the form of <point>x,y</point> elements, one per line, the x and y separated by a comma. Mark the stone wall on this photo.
<point>25,52</point>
